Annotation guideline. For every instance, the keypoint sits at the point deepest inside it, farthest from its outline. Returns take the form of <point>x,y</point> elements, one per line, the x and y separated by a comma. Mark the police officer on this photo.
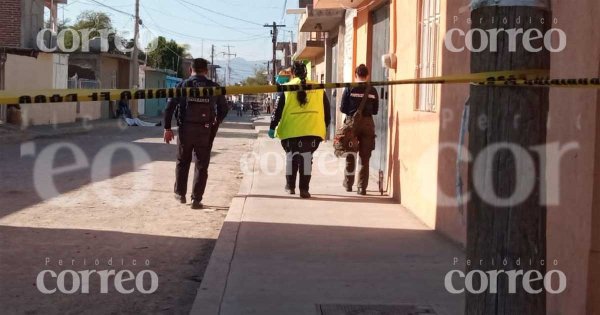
<point>198,119</point>
<point>365,130</point>
<point>300,121</point>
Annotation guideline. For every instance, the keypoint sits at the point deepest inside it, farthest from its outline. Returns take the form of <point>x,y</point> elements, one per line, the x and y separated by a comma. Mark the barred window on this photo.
<point>428,54</point>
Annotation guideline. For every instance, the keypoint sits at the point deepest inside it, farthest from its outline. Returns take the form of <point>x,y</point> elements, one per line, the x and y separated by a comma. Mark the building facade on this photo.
<point>419,126</point>
<point>20,22</point>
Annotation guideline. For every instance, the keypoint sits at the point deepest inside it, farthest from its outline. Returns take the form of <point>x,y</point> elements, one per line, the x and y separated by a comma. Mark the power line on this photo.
<point>219,13</point>
<point>253,37</point>
<point>209,39</point>
<point>111,8</point>
<point>210,19</point>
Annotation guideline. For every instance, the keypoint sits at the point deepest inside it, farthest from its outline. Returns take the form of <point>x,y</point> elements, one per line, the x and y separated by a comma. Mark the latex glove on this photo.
<point>271,133</point>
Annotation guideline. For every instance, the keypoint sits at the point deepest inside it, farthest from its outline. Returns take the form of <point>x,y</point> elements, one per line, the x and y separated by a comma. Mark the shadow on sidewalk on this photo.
<point>291,268</point>
<point>330,198</point>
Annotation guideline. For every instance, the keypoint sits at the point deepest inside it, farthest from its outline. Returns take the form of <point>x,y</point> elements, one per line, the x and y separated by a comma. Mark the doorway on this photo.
<point>380,35</point>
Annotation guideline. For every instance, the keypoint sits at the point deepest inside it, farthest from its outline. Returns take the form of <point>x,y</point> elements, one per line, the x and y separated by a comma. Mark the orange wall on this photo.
<point>449,220</point>
<point>361,35</point>
<point>573,119</point>
<point>426,172</point>
<point>415,136</point>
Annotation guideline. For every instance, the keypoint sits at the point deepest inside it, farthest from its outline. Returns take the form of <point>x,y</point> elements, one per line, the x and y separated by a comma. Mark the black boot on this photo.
<point>304,194</point>
<point>180,198</point>
<point>362,191</point>
<point>291,191</point>
<point>197,205</point>
<point>348,187</point>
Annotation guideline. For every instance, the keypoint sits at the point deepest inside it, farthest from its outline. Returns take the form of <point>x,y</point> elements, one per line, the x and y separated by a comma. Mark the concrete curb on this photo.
<point>212,289</point>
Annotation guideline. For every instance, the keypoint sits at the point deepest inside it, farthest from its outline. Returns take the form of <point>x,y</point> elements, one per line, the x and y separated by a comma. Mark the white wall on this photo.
<point>26,73</point>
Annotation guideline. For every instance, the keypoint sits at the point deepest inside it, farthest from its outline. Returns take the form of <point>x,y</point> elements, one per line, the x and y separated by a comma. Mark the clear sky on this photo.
<point>239,24</point>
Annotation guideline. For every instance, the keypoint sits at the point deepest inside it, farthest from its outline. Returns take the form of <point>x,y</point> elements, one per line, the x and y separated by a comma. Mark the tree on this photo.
<point>168,55</point>
<point>260,77</point>
<point>95,21</point>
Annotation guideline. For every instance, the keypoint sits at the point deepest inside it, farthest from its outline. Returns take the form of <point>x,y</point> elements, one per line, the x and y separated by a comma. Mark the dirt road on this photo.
<point>108,223</point>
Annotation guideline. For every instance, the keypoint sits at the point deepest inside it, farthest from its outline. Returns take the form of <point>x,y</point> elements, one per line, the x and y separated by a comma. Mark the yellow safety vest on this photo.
<point>300,120</point>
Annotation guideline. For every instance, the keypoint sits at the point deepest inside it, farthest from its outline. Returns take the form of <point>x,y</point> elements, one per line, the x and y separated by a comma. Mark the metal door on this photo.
<point>380,46</point>
<point>334,78</point>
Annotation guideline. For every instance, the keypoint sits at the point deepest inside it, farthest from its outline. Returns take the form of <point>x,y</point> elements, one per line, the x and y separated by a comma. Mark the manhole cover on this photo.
<point>340,309</point>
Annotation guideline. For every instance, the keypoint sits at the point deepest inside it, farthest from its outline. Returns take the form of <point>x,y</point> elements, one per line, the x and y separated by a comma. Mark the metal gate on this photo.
<point>380,46</point>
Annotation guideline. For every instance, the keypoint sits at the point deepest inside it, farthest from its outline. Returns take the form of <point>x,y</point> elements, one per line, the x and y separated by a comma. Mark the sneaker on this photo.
<point>362,191</point>
<point>197,205</point>
<point>304,194</point>
<point>180,198</point>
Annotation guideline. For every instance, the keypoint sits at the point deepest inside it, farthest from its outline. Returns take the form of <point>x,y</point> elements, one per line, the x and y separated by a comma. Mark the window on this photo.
<point>428,54</point>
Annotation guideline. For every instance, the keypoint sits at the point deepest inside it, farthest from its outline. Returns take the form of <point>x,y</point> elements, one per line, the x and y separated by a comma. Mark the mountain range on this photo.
<point>240,68</point>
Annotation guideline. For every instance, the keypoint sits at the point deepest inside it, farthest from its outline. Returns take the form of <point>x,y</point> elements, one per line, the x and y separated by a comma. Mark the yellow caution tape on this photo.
<point>499,78</point>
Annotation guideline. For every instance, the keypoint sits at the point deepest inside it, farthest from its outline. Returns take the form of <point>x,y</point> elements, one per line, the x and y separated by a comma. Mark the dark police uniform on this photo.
<point>365,131</point>
<point>198,119</point>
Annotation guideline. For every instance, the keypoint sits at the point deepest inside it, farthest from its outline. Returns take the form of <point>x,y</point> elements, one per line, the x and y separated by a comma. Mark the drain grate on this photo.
<point>341,309</point>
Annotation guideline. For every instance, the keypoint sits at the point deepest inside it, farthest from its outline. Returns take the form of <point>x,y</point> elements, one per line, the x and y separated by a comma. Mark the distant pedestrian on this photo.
<point>198,118</point>
<point>240,109</point>
<point>267,105</point>
<point>300,121</point>
<point>364,130</point>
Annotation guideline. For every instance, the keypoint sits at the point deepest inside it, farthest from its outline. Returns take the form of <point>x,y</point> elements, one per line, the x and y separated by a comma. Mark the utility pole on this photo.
<point>228,74</point>
<point>291,43</point>
<point>213,70</point>
<point>134,54</point>
<point>274,30</point>
<point>506,222</point>
<point>134,72</point>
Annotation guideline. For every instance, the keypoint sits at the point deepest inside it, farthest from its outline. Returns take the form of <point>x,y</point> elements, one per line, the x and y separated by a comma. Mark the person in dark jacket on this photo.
<point>300,121</point>
<point>365,130</point>
<point>198,118</point>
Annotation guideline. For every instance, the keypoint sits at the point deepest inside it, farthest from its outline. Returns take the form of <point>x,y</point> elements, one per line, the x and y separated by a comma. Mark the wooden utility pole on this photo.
<point>513,231</point>
<point>274,31</point>
<point>228,70</point>
<point>134,77</point>
<point>134,73</point>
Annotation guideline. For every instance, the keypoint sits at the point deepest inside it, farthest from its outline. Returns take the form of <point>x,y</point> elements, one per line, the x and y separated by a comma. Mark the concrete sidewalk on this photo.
<point>278,254</point>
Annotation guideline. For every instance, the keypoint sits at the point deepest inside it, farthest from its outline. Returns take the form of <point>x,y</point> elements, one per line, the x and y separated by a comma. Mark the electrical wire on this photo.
<point>219,13</point>
<point>112,8</point>
<point>254,37</point>
<point>212,20</point>
<point>248,39</point>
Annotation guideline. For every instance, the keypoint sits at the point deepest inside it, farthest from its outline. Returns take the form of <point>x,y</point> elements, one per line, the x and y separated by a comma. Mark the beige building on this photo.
<point>19,28</point>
